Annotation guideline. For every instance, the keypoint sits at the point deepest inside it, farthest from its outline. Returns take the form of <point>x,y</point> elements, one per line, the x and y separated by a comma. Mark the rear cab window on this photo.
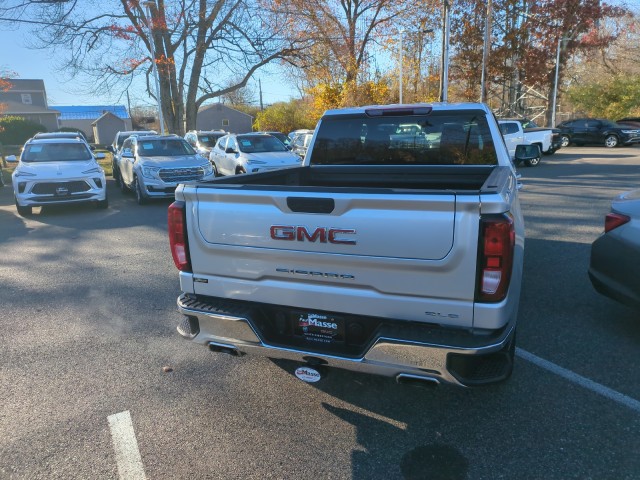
<point>458,137</point>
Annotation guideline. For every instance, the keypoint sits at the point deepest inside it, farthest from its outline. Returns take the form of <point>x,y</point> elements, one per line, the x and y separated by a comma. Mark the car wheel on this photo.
<point>120,182</point>
<point>23,211</point>
<point>533,162</point>
<point>565,140</point>
<point>140,198</point>
<point>215,170</point>
<point>611,141</point>
<point>240,171</point>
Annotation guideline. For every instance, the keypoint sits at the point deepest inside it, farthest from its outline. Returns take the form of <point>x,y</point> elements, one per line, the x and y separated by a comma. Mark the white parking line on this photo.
<point>126,447</point>
<point>580,380</point>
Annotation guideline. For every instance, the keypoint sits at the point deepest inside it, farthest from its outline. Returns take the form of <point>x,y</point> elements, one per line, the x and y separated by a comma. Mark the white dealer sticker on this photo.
<point>307,374</point>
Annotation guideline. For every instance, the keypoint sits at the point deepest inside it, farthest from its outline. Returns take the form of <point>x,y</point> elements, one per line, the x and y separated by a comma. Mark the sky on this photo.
<point>39,64</point>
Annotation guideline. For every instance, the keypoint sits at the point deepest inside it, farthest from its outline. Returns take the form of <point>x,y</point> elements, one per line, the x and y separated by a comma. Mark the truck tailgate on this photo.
<point>330,251</point>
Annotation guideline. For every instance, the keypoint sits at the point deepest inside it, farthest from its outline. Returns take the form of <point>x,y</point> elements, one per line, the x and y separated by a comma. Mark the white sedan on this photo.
<point>251,153</point>
<point>54,171</point>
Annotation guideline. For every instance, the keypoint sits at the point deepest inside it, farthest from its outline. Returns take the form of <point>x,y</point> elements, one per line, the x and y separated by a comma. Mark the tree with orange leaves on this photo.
<point>343,35</point>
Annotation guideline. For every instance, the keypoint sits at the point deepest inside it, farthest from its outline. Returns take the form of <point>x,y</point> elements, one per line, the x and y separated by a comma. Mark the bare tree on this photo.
<point>198,45</point>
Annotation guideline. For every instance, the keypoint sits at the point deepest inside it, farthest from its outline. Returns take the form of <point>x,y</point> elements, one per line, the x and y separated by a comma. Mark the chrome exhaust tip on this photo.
<point>417,380</point>
<point>224,348</point>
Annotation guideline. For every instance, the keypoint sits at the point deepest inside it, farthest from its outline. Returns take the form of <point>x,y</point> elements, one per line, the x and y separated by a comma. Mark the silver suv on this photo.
<point>153,166</point>
<point>203,140</point>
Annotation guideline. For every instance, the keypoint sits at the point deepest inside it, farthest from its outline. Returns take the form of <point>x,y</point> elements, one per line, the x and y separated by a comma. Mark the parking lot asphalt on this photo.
<point>96,383</point>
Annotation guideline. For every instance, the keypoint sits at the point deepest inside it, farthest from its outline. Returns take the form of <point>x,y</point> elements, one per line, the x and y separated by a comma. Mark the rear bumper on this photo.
<point>429,352</point>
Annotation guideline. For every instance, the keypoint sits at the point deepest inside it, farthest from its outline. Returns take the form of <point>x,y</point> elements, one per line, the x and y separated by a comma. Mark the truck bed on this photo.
<point>457,178</point>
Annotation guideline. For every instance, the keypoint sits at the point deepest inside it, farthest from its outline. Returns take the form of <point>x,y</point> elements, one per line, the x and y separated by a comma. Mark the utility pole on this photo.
<point>260,90</point>
<point>485,53</point>
<point>444,71</point>
<point>401,61</point>
<point>555,84</point>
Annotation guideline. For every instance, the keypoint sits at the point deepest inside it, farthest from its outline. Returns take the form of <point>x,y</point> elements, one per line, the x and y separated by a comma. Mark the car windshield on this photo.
<point>209,140</point>
<point>56,152</point>
<point>282,137</point>
<point>440,138</point>
<point>164,147</point>
<point>260,144</point>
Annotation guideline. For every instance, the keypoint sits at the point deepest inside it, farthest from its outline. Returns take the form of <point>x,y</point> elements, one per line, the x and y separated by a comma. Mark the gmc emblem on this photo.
<point>320,234</point>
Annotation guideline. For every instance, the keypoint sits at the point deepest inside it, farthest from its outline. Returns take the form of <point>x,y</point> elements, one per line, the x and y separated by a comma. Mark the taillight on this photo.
<point>495,257</point>
<point>178,236</point>
<point>614,220</point>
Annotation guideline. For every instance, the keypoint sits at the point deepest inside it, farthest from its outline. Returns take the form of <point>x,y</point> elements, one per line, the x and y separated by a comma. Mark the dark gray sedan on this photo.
<point>614,269</point>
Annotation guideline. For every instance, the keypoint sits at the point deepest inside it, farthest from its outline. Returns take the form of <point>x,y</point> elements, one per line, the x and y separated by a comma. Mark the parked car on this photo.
<point>153,166</point>
<point>556,138</point>
<point>584,131</point>
<point>631,121</point>
<point>293,134</point>
<point>300,144</point>
<point>120,137</point>
<point>77,134</point>
<point>57,170</point>
<point>204,140</point>
<point>615,255</point>
<point>250,153</point>
<point>280,136</point>
<point>116,147</point>
<point>514,134</point>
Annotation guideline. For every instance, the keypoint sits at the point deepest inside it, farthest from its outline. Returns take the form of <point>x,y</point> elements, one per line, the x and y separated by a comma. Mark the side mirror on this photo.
<point>527,152</point>
<point>11,158</point>
<point>100,156</point>
<point>230,150</point>
<point>110,149</point>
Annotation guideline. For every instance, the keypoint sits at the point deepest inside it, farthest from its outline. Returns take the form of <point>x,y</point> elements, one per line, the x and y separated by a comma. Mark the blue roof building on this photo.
<point>90,112</point>
<point>83,117</point>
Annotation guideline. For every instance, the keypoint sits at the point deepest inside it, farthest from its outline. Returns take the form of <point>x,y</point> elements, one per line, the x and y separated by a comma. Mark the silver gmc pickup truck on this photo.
<point>395,249</point>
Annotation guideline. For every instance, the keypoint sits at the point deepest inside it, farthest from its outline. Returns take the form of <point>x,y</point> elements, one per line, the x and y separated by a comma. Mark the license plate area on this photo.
<point>318,328</point>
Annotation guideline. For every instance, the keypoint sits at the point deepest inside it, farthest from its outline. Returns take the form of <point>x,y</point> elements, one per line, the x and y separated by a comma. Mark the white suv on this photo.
<point>251,153</point>
<point>57,170</point>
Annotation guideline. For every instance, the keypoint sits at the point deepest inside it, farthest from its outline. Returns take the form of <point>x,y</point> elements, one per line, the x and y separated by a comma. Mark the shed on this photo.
<point>106,127</point>
<point>82,117</point>
<point>218,116</point>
